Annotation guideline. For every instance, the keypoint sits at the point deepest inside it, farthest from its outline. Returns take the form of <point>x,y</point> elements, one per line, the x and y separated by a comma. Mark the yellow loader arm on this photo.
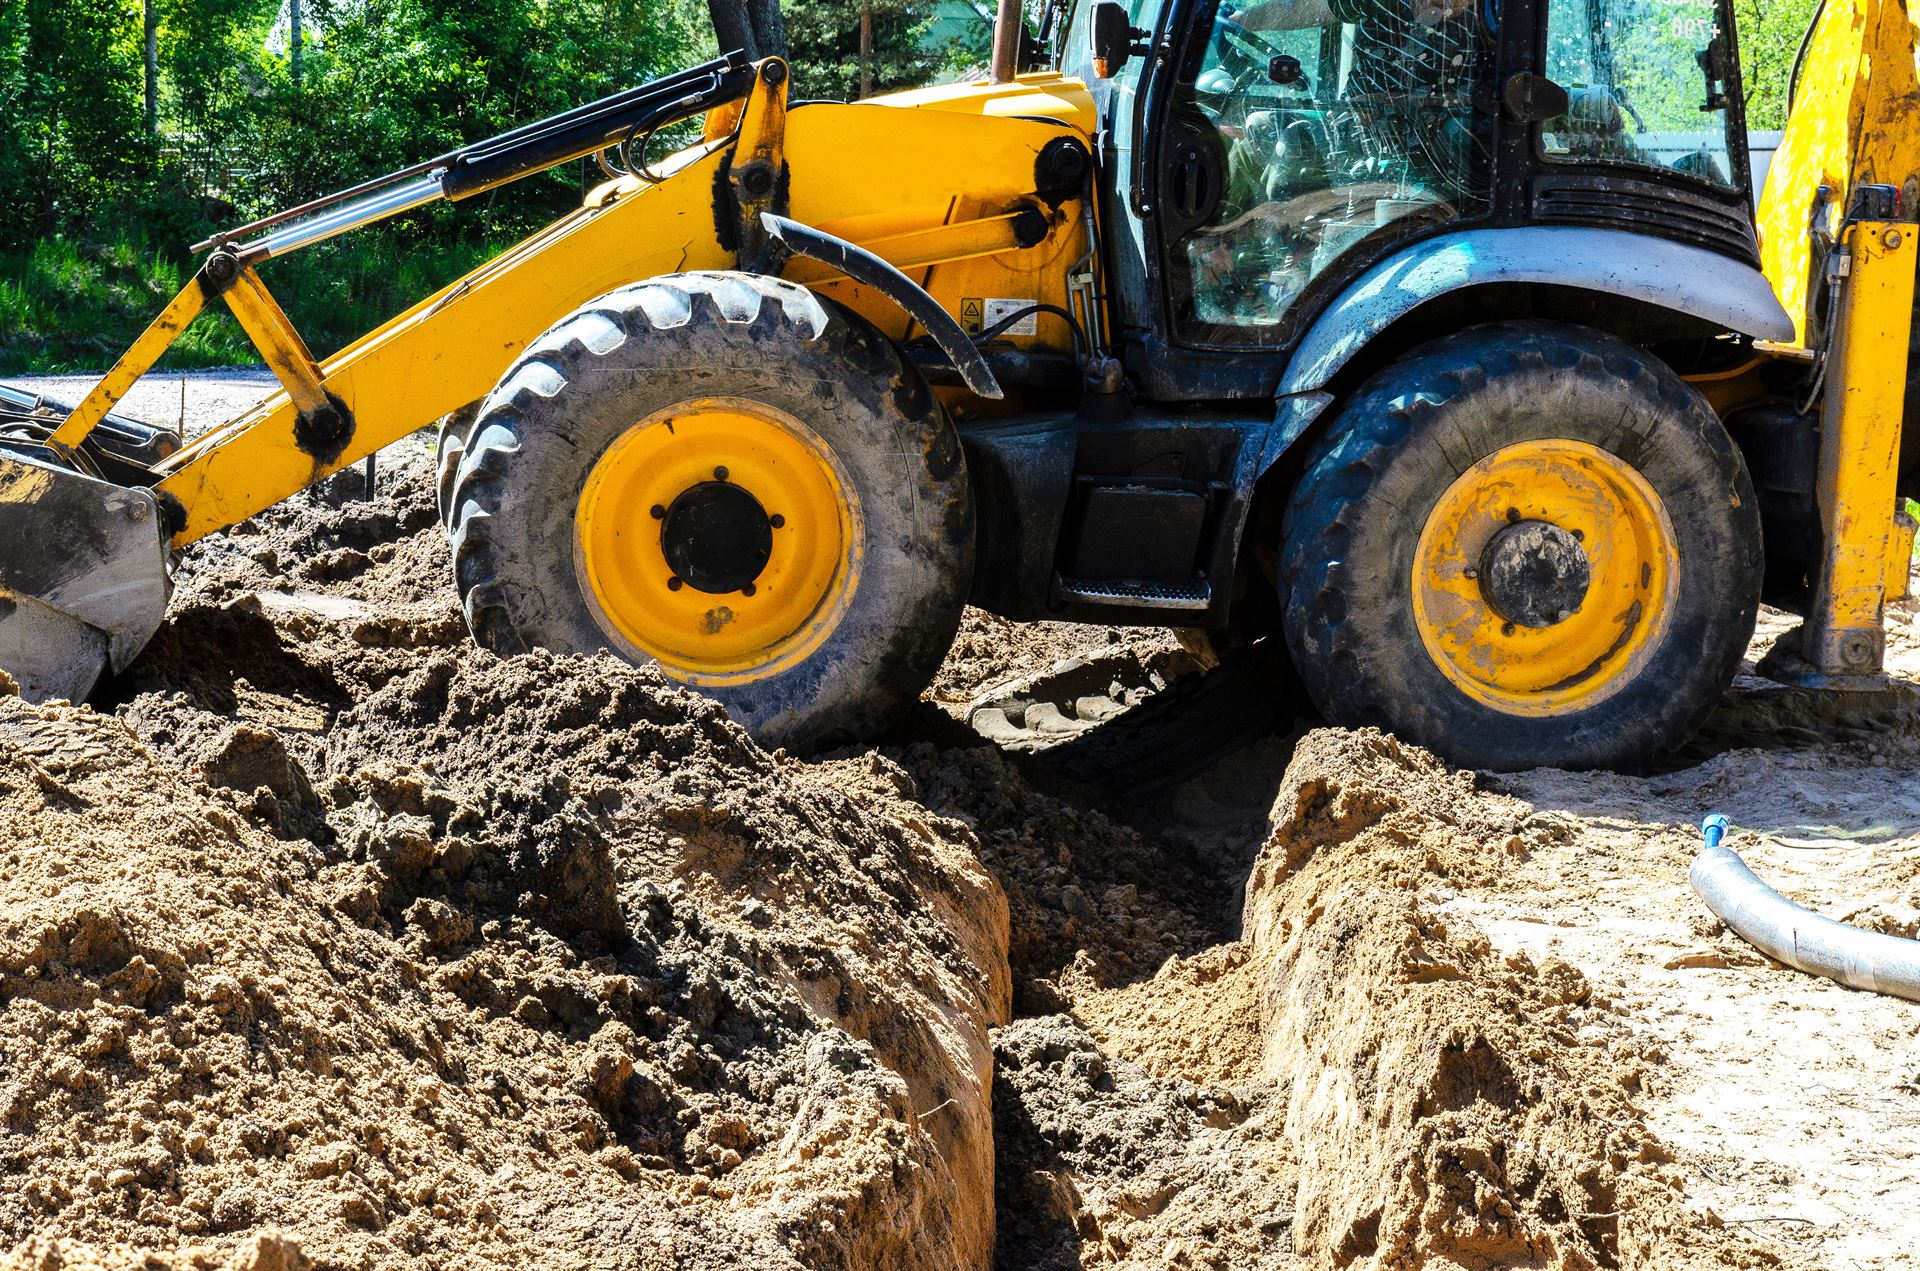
<point>853,171</point>
<point>905,243</point>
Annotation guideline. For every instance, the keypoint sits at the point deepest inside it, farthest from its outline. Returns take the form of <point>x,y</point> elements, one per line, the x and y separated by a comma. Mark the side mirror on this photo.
<point>1115,39</point>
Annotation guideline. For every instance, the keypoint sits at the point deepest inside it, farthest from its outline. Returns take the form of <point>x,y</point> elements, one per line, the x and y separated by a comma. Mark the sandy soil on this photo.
<point>325,939</point>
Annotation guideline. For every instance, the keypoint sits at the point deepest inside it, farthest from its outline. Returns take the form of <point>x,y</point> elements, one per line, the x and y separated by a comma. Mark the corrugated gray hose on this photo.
<point>1799,937</point>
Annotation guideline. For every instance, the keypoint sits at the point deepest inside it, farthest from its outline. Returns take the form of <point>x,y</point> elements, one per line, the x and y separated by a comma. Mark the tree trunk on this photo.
<point>731,26</point>
<point>150,39</point>
<point>295,40</point>
<point>769,31</point>
<point>866,48</point>
<point>753,26</point>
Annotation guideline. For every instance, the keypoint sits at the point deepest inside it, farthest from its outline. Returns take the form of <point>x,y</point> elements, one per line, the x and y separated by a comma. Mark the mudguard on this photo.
<point>83,575</point>
<point>863,266</point>
<point>1689,280</point>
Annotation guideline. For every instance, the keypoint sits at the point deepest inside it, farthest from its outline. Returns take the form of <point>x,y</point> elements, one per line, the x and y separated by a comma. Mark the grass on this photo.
<point>70,306</point>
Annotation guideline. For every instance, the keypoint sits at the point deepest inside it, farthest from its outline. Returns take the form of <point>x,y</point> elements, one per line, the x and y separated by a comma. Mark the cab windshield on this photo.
<point>1647,84</point>
<point>1342,126</point>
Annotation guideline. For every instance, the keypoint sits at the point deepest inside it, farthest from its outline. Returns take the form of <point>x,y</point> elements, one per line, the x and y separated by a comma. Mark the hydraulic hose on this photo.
<point>1796,936</point>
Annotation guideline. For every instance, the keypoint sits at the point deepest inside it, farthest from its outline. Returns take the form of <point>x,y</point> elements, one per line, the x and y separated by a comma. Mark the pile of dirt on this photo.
<point>1103,1163</point>
<point>1094,900</point>
<point>329,940</point>
<point>1358,1079</point>
<point>1449,1106</point>
<point>344,927</point>
<point>989,651</point>
<point>265,1252</point>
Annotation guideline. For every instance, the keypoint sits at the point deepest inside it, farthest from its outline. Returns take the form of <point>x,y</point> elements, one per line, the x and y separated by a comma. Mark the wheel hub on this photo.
<point>717,537</point>
<point>720,538</point>
<point>1535,573</point>
<point>1545,577</point>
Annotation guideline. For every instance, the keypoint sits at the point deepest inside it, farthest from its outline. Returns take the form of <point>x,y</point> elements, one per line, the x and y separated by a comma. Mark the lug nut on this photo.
<point>1513,516</point>
<point>1471,572</point>
<point>719,474</point>
<point>1506,628</point>
<point>674,583</point>
<point>776,520</point>
<point>659,513</point>
<point>747,589</point>
<point>1563,615</point>
<point>1579,536</point>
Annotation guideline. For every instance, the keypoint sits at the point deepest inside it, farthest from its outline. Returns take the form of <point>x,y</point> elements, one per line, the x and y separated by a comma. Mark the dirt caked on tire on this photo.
<point>731,477</point>
<point>1525,544</point>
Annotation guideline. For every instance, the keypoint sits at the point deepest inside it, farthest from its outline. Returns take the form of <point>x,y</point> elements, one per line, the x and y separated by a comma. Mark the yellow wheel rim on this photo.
<point>763,527</point>
<point>1496,568</point>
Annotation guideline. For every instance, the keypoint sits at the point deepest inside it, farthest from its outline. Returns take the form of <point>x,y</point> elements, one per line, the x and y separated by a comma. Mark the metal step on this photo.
<point>1132,594</point>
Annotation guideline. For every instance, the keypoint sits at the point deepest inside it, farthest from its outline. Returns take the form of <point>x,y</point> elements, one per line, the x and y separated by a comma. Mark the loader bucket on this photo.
<point>83,574</point>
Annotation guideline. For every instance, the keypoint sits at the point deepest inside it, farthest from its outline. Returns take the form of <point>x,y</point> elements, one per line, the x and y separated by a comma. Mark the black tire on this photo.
<point>1349,549</point>
<point>450,446</point>
<point>646,347</point>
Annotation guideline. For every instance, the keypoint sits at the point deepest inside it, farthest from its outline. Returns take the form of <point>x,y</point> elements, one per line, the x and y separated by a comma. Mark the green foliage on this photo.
<point>69,306</point>
<point>823,37</point>
<point>1770,32</point>
<point>93,235</point>
<point>94,230</point>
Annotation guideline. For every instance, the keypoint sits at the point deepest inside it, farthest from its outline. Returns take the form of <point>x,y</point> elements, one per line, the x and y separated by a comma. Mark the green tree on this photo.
<point>71,140</point>
<point>1770,33</point>
<point>824,36</point>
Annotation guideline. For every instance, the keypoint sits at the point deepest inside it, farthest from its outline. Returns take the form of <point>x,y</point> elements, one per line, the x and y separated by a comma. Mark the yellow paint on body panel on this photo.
<point>1855,121</point>
<point>1860,447</point>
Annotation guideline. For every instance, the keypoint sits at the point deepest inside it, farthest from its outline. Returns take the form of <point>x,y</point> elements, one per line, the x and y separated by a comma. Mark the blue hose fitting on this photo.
<point>1713,829</point>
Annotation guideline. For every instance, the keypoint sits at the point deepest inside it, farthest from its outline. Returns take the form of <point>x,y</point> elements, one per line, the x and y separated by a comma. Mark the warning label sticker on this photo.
<point>977,313</point>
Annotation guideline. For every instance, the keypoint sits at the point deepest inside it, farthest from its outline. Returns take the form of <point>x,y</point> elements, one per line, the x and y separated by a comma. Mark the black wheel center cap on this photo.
<point>716,537</point>
<point>1535,574</point>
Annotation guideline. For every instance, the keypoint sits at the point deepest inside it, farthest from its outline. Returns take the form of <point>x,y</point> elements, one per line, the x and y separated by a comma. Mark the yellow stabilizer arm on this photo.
<point>1842,261</point>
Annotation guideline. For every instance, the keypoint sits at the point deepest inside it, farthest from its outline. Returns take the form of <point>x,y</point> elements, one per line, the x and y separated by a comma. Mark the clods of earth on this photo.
<point>328,940</point>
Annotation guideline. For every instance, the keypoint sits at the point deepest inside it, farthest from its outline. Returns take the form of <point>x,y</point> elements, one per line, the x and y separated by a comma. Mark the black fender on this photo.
<point>869,270</point>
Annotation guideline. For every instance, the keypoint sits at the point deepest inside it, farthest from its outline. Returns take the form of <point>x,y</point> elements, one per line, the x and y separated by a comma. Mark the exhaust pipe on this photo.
<point>1788,933</point>
<point>1008,24</point>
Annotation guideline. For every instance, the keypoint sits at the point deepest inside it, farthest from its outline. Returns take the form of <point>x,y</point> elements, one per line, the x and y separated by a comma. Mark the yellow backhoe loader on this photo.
<point>1430,337</point>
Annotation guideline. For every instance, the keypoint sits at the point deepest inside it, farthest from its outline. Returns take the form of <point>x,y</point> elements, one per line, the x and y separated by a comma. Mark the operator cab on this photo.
<point>1265,154</point>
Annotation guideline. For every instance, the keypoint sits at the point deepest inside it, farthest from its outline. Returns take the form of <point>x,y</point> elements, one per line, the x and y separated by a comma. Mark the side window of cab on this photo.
<point>1316,131</point>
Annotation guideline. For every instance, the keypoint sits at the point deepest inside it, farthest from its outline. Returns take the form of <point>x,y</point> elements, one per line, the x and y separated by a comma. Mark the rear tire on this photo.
<point>1600,642</point>
<point>449,448</point>
<point>731,477</point>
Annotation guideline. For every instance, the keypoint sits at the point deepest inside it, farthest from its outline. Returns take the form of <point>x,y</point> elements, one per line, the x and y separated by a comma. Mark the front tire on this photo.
<point>733,478</point>
<point>1523,545</point>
